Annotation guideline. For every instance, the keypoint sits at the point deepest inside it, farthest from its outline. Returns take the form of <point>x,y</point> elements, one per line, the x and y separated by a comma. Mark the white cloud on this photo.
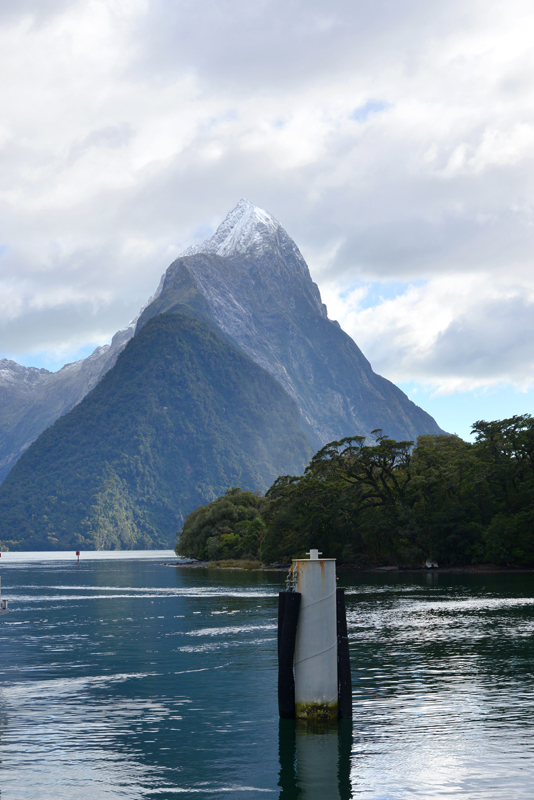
<point>454,333</point>
<point>394,142</point>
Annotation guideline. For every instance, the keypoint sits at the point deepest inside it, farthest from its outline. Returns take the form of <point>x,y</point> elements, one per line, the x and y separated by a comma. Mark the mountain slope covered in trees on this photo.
<point>32,399</point>
<point>181,417</point>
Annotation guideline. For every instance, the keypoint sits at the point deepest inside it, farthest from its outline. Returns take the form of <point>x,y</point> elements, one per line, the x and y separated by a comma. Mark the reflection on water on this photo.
<point>315,760</point>
<point>129,679</point>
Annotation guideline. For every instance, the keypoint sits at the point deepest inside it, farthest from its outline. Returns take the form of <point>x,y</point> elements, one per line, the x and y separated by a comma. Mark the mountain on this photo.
<point>180,418</point>
<point>231,375</point>
<point>251,281</point>
<point>252,284</point>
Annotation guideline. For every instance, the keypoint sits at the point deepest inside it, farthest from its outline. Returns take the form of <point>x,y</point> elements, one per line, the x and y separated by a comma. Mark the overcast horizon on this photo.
<point>393,141</point>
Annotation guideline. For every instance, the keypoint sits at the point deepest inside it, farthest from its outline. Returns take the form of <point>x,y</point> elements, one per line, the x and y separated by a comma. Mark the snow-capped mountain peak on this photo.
<point>246,229</point>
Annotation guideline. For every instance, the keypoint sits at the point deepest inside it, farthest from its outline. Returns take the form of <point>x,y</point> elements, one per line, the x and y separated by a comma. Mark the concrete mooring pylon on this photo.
<point>314,680</point>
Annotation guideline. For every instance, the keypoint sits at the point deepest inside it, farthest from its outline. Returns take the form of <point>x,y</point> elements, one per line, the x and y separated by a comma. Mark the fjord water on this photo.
<point>125,678</point>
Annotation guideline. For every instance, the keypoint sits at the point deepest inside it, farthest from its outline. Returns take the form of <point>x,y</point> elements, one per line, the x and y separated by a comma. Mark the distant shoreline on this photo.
<point>482,569</point>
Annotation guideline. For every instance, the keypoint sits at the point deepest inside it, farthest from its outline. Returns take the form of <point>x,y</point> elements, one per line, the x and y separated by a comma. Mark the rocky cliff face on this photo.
<point>253,282</point>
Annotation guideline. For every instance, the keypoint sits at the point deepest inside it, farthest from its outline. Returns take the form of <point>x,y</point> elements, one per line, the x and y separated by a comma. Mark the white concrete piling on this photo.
<point>316,678</point>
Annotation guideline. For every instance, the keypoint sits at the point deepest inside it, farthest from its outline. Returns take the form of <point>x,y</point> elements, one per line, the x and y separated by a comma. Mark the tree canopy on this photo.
<point>387,502</point>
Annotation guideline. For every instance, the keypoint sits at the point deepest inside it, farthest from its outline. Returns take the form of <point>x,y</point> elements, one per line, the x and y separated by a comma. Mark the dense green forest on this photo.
<point>180,417</point>
<point>388,502</point>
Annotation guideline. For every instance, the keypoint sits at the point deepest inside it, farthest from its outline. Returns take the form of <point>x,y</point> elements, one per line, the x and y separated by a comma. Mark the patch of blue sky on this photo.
<point>457,412</point>
<point>3,249</point>
<point>201,233</point>
<point>362,113</point>
<point>49,359</point>
<point>378,292</point>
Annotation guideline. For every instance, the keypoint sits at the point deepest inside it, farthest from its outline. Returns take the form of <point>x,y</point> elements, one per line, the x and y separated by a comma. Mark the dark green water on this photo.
<point>129,679</point>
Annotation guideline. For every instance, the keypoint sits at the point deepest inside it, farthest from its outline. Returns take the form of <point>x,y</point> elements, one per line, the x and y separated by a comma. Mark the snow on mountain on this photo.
<point>13,373</point>
<point>246,229</point>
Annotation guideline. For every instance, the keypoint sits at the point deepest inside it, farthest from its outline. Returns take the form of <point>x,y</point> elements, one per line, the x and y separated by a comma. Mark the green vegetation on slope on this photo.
<point>392,503</point>
<point>180,418</point>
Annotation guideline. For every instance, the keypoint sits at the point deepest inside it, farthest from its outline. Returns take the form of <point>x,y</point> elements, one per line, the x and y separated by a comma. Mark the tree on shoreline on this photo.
<point>391,502</point>
<point>229,527</point>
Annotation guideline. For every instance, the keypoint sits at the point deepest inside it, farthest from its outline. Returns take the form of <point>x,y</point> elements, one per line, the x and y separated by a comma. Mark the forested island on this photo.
<point>390,502</point>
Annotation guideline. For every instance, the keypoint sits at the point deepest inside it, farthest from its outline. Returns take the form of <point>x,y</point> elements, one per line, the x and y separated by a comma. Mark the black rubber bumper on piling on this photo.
<point>344,681</point>
<point>288,614</point>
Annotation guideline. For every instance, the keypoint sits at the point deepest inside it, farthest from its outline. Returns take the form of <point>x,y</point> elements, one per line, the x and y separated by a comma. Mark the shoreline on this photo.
<point>482,569</point>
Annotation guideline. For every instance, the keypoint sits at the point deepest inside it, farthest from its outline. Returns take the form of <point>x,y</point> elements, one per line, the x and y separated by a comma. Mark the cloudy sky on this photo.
<point>393,139</point>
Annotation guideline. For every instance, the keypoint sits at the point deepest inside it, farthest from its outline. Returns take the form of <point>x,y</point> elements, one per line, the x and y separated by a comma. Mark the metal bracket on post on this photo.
<point>292,578</point>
